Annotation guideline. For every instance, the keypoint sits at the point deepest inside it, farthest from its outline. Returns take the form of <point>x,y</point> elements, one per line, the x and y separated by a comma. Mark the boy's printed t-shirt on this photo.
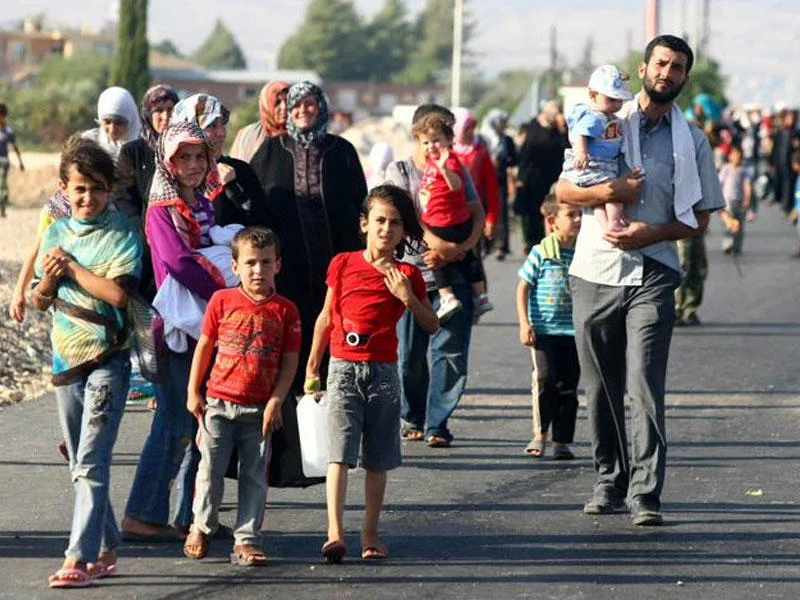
<point>251,339</point>
<point>109,247</point>
<point>362,304</point>
<point>445,207</point>
<point>549,299</point>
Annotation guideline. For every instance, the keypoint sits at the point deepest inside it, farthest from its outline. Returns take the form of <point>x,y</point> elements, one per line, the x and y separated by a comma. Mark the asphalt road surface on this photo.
<point>482,519</point>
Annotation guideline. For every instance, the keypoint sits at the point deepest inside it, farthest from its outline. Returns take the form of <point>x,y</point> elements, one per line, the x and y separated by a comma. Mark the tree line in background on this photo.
<point>332,40</point>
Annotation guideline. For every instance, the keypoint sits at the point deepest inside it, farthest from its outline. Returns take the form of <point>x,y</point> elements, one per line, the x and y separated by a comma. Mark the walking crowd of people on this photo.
<point>304,279</point>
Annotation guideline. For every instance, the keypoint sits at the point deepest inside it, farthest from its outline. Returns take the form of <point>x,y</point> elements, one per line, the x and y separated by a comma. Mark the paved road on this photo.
<point>483,520</point>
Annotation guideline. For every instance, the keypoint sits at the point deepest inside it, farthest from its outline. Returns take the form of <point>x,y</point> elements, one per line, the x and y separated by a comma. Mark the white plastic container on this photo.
<point>313,437</point>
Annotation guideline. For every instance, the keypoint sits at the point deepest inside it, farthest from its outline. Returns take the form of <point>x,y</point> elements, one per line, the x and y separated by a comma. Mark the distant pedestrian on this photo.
<point>368,292</point>
<point>540,160</point>
<point>7,138</point>
<point>87,265</point>
<point>504,157</point>
<point>544,309</point>
<point>251,341</point>
<point>737,192</point>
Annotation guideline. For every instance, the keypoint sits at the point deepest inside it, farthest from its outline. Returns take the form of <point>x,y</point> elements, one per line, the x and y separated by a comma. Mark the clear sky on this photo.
<point>751,39</point>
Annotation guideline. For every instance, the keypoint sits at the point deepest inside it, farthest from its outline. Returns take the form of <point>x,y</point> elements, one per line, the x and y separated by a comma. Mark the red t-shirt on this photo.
<point>363,304</point>
<point>445,207</point>
<point>251,339</point>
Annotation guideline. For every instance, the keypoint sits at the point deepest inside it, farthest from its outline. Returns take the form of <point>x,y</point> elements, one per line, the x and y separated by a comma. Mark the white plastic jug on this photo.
<point>313,436</point>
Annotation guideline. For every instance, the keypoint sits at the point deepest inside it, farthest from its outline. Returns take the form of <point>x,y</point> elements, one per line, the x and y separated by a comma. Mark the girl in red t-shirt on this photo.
<point>368,292</point>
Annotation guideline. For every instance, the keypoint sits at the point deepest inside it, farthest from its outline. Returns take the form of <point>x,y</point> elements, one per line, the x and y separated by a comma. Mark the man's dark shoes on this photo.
<point>603,506</point>
<point>646,512</point>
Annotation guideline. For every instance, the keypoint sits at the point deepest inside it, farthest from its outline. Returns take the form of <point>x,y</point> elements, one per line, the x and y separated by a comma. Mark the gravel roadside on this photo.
<point>24,349</point>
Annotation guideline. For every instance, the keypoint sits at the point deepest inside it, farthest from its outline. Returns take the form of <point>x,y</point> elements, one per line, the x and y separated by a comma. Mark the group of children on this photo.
<point>86,268</point>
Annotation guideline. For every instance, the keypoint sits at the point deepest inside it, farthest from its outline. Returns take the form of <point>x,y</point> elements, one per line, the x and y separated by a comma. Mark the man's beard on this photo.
<point>657,97</point>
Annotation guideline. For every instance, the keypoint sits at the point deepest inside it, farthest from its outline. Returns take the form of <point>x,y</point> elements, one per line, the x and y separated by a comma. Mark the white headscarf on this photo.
<point>489,127</point>
<point>116,102</point>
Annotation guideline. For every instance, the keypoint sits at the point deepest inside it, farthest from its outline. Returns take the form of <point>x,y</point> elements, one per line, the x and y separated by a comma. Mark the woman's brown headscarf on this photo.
<point>267,101</point>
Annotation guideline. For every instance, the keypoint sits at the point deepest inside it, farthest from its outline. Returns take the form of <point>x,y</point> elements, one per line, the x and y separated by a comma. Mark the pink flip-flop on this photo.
<point>70,578</point>
<point>100,569</point>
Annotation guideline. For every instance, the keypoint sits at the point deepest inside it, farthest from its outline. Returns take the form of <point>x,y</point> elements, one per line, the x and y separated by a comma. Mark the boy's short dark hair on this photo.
<point>672,42</point>
<point>88,158</point>
<point>257,236</point>
<point>3,109</point>
<point>433,121</point>
<point>550,206</point>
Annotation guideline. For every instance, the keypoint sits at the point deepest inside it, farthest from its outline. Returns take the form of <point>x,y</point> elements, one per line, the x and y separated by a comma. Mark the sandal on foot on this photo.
<point>437,441</point>
<point>334,551</point>
<point>101,570</point>
<point>536,448</point>
<point>196,544</point>
<point>248,555</point>
<point>562,452</point>
<point>70,578</point>
<point>413,435</point>
<point>375,553</point>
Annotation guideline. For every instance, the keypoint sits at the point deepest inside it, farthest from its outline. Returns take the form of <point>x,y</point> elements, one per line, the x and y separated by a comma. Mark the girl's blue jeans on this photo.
<point>90,411</point>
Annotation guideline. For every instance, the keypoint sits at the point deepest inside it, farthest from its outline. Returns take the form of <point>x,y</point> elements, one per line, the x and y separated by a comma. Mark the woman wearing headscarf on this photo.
<point>137,159</point>
<point>474,155</point>
<point>117,120</point>
<point>504,157</point>
<point>272,121</point>
<point>380,155</point>
<point>136,166</point>
<point>242,200</point>
<point>179,216</point>
<point>315,186</point>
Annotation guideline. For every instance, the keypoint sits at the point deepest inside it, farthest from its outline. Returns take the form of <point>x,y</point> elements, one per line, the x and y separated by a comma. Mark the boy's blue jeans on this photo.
<point>431,388</point>
<point>90,411</point>
<point>168,453</point>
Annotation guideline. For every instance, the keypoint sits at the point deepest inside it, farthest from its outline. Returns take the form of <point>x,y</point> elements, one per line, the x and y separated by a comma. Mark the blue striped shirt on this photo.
<point>549,300</point>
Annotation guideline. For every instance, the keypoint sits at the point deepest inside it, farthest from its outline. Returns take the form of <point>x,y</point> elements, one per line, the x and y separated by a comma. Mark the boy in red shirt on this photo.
<point>256,334</point>
<point>446,215</point>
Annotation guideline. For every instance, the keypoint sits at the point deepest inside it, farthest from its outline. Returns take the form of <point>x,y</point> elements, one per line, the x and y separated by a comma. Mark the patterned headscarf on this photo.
<point>153,99</point>
<point>199,109</point>
<point>267,101</point>
<point>317,132</point>
<point>166,191</point>
<point>464,118</point>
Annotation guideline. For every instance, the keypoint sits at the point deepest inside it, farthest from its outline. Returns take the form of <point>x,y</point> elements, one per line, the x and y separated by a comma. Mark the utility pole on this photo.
<point>553,91</point>
<point>651,22</point>
<point>455,79</point>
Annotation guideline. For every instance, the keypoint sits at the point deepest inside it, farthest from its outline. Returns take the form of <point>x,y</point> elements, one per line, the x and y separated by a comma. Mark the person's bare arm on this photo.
<point>273,418</point>
<point>321,339</point>
<point>17,307</point>
<point>580,149</point>
<point>624,189</point>
<point>19,157</point>
<point>527,336</point>
<point>98,287</point>
<point>451,178</point>
<point>637,234</point>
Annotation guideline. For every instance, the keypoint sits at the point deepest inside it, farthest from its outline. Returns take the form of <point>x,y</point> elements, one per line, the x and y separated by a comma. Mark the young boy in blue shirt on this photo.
<point>544,309</point>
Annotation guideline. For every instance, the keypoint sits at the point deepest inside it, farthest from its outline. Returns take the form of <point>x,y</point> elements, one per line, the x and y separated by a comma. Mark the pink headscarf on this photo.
<point>464,119</point>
